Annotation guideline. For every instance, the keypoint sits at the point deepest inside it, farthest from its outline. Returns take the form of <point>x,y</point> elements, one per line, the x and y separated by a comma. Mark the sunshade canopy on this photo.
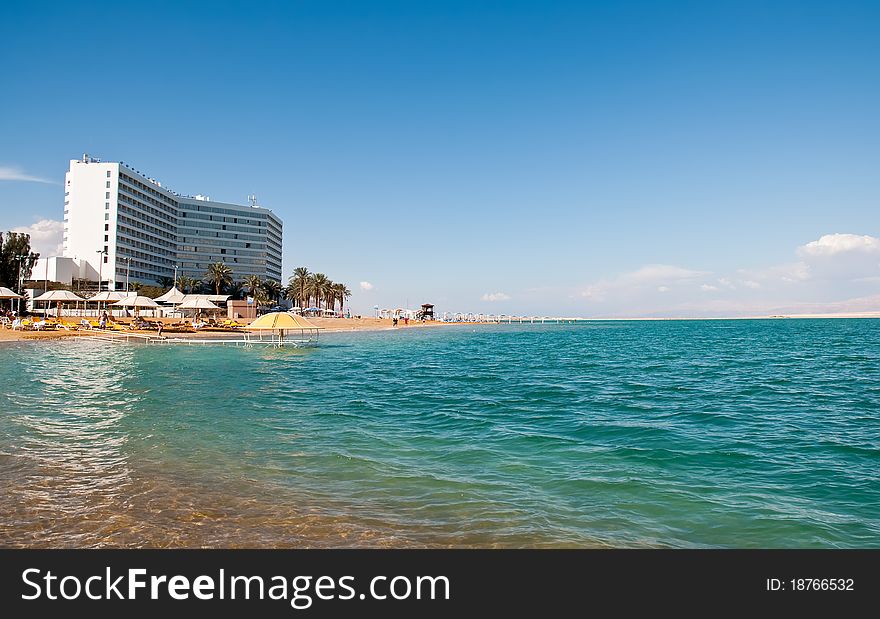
<point>6,293</point>
<point>173,296</point>
<point>59,296</point>
<point>279,321</point>
<point>106,295</point>
<point>197,303</point>
<point>136,301</point>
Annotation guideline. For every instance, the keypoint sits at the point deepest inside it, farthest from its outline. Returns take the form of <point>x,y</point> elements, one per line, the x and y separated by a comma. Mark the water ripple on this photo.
<point>681,434</point>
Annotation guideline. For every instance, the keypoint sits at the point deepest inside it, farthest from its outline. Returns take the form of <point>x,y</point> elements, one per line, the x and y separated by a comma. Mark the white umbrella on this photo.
<point>107,295</point>
<point>136,301</point>
<point>59,297</point>
<point>6,293</point>
<point>173,296</point>
<point>197,303</point>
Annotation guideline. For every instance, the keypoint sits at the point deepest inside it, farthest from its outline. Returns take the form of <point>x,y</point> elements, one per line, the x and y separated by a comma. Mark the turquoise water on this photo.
<point>674,433</point>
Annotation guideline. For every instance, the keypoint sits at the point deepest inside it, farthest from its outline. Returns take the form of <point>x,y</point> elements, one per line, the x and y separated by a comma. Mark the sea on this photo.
<point>624,434</point>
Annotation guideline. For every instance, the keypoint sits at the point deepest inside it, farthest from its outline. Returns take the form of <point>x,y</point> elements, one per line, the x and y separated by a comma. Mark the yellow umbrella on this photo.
<point>281,321</point>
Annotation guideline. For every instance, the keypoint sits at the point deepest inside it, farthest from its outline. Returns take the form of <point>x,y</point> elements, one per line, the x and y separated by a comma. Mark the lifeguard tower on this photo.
<point>427,312</point>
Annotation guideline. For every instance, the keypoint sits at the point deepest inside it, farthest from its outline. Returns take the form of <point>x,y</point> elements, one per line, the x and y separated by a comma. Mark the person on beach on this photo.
<point>161,325</point>
<point>394,321</point>
<point>103,322</point>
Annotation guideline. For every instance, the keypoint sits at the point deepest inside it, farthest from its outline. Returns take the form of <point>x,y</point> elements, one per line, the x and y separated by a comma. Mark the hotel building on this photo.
<point>131,228</point>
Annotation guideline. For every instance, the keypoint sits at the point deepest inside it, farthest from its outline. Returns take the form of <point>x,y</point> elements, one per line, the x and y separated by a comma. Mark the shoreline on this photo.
<point>352,325</point>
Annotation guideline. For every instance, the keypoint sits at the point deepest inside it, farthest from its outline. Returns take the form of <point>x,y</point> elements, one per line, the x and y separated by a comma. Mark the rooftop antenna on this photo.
<point>253,200</point>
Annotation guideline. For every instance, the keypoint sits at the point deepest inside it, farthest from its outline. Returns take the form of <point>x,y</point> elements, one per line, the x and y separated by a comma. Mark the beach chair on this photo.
<point>5,322</point>
<point>85,324</point>
<point>18,325</point>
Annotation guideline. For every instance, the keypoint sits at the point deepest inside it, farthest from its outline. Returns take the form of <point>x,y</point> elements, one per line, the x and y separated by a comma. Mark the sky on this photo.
<point>557,158</point>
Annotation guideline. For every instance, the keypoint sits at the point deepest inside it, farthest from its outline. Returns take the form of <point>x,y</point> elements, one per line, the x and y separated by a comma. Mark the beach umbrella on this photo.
<point>197,303</point>
<point>281,321</point>
<point>173,296</point>
<point>6,293</point>
<point>105,296</point>
<point>59,297</point>
<point>136,301</point>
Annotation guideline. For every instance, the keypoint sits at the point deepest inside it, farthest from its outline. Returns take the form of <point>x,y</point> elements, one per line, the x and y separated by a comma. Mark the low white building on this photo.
<point>63,270</point>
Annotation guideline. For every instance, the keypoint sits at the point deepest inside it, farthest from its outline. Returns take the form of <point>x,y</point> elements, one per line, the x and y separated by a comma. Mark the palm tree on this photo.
<point>186,283</point>
<point>310,290</point>
<point>299,284</point>
<point>272,290</point>
<point>164,281</point>
<point>329,295</point>
<point>254,285</point>
<point>235,289</point>
<point>319,287</point>
<point>342,293</point>
<point>219,274</point>
<point>135,286</point>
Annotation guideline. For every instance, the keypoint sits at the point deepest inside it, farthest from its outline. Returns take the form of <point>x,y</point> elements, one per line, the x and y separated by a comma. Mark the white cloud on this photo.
<point>833,244</point>
<point>46,236</point>
<point>791,272</point>
<point>366,286</point>
<point>661,272</point>
<point>10,173</point>
<point>823,271</point>
<point>495,296</point>
<point>650,277</point>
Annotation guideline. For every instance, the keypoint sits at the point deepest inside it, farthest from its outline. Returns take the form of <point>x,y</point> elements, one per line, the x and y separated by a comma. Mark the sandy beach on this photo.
<point>342,325</point>
<point>328,325</point>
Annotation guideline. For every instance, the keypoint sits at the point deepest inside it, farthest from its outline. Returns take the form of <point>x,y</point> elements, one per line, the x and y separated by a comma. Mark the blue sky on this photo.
<point>594,159</point>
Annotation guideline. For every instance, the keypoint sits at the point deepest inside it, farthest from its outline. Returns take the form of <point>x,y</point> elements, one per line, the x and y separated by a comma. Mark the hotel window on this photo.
<point>108,184</point>
<point>108,173</point>
<point>107,195</point>
<point>107,206</point>
<point>106,226</point>
<point>106,216</point>
<point>105,259</point>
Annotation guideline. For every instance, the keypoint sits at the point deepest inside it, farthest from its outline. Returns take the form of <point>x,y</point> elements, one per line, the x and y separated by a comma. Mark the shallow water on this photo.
<point>673,433</point>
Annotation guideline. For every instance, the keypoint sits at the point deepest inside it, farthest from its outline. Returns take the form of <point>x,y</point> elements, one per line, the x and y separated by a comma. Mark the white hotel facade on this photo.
<point>127,226</point>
